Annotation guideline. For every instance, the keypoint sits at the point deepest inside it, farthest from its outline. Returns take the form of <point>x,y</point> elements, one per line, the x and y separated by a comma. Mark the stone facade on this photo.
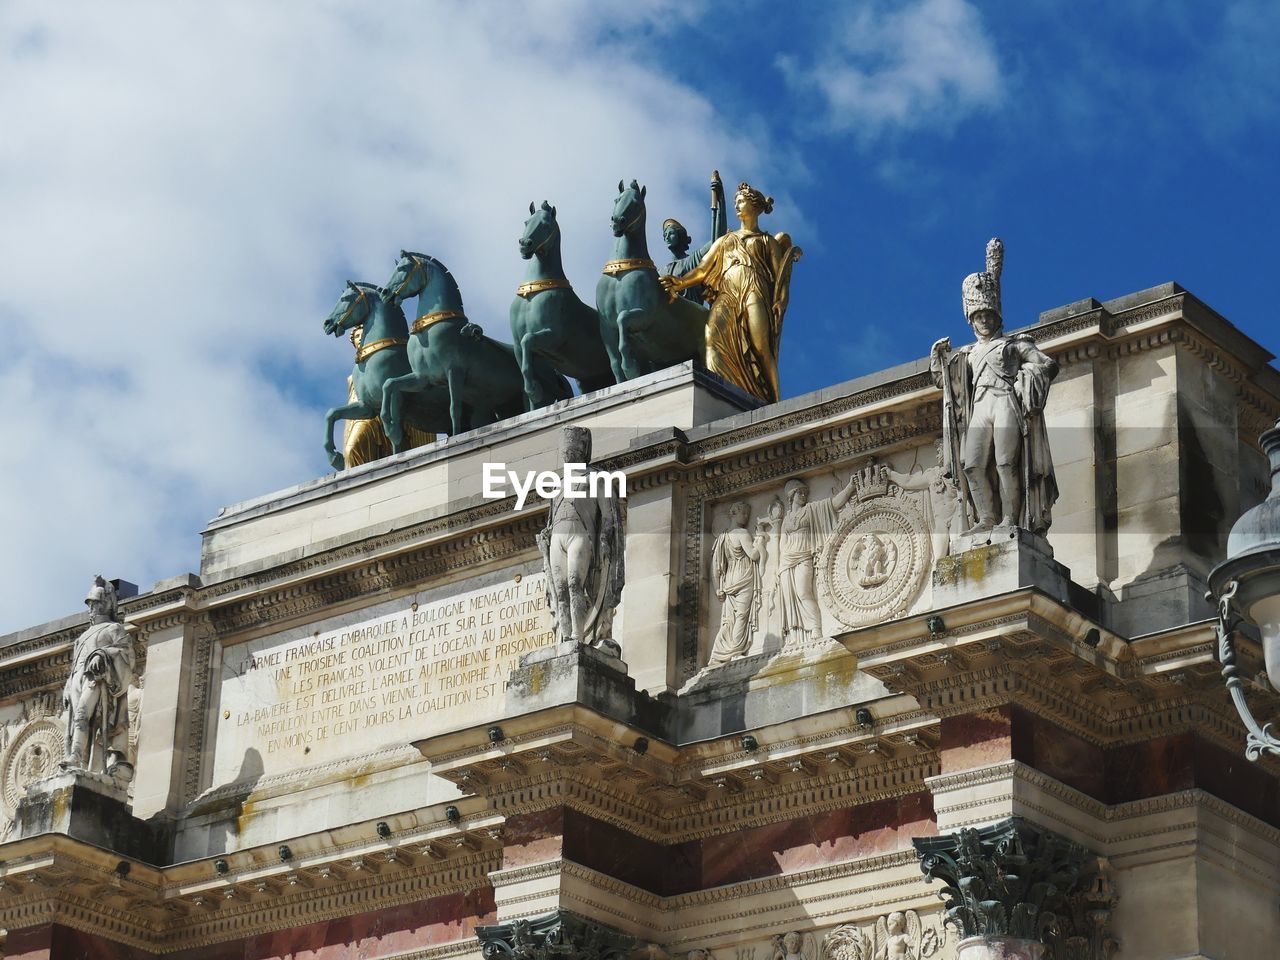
<point>360,737</point>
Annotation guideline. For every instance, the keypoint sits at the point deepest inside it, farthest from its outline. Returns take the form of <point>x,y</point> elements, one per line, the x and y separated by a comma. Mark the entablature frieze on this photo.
<point>669,794</point>
<point>1026,649</point>
<point>54,878</point>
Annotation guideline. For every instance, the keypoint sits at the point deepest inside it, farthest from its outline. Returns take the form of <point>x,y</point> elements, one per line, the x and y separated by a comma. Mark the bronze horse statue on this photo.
<point>380,356</point>
<point>642,327</point>
<point>547,318</point>
<point>484,383</point>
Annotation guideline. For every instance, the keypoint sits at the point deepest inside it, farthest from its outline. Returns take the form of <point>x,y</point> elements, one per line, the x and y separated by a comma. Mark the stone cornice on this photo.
<point>52,877</point>
<point>1026,649</point>
<point>574,758</point>
<point>1112,824</point>
<point>878,882</point>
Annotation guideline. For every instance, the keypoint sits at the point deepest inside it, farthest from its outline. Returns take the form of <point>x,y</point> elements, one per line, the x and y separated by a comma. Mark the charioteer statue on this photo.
<point>678,241</point>
<point>96,695</point>
<point>995,446</point>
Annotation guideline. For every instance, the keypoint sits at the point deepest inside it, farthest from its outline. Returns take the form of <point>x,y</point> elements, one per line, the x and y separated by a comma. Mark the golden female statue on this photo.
<point>746,277</point>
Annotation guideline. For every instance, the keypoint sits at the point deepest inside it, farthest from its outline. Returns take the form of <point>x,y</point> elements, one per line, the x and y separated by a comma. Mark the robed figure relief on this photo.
<point>746,277</point>
<point>582,553</point>
<point>736,559</point>
<point>96,694</point>
<point>995,445</point>
<point>804,530</point>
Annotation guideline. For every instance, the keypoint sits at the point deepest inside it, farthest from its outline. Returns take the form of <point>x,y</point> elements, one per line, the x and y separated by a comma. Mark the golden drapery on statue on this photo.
<point>364,441</point>
<point>746,277</point>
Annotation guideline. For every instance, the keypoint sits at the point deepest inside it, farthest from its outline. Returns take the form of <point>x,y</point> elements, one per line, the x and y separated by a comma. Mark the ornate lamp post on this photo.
<point>1246,588</point>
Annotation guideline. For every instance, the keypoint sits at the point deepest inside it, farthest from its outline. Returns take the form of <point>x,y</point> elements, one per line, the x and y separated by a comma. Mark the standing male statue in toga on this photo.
<point>96,694</point>
<point>582,553</point>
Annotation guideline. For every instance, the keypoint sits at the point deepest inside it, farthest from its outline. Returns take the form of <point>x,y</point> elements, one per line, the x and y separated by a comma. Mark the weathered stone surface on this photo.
<point>990,564</point>
<point>95,809</point>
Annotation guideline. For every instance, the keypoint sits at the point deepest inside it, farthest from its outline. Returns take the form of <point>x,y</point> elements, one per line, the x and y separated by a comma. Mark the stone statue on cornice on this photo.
<point>995,445</point>
<point>582,553</point>
<point>96,694</point>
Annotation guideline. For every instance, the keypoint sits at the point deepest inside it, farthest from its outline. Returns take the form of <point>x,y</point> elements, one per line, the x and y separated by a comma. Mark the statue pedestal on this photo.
<point>94,808</point>
<point>1000,561</point>
<point>569,672</point>
<point>999,948</point>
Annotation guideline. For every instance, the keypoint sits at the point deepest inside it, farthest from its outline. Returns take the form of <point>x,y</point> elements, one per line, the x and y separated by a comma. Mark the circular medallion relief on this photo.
<point>876,562</point>
<point>33,755</point>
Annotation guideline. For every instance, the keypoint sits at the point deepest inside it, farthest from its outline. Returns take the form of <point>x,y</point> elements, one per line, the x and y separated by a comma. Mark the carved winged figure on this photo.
<point>898,936</point>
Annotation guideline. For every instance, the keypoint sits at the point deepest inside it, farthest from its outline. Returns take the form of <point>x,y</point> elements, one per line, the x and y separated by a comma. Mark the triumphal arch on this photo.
<point>916,666</point>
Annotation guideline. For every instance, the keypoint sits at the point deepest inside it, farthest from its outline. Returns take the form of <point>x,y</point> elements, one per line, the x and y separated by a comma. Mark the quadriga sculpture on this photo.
<point>382,354</point>
<point>548,320</point>
<point>446,350</point>
<point>643,328</point>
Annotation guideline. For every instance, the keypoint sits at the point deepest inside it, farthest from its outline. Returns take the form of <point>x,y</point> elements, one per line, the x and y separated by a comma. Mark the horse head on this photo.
<point>540,229</point>
<point>352,309</point>
<point>411,275</point>
<point>423,276</point>
<point>628,209</point>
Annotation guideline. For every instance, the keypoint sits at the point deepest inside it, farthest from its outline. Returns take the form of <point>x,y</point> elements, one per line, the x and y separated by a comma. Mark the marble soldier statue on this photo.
<point>802,534</point>
<point>677,239</point>
<point>582,553</point>
<point>736,559</point>
<point>96,694</point>
<point>995,445</point>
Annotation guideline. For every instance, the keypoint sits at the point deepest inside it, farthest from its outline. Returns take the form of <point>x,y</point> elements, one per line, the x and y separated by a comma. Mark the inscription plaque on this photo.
<point>417,669</point>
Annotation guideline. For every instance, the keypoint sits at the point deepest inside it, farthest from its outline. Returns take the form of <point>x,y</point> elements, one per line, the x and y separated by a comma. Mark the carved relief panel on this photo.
<point>900,935</point>
<point>815,556</point>
<point>32,742</point>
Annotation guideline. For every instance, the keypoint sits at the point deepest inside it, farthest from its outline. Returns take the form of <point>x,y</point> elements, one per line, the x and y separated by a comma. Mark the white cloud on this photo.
<point>891,68</point>
<point>185,186</point>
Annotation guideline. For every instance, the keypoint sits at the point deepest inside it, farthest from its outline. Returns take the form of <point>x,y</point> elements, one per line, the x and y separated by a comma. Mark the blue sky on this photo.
<point>185,187</point>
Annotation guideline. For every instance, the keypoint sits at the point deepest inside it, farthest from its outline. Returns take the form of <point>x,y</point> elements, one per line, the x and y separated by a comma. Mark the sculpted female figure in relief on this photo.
<point>736,559</point>
<point>746,277</point>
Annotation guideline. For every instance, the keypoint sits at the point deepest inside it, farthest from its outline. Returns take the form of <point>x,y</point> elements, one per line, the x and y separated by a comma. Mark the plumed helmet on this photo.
<point>981,291</point>
<point>576,440</point>
<point>103,592</point>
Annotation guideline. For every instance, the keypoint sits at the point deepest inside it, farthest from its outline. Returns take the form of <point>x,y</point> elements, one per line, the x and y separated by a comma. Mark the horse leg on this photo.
<point>628,323</point>
<point>615,357</point>
<point>393,390</point>
<point>457,378</point>
<point>525,349</point>
<point>352,411</point>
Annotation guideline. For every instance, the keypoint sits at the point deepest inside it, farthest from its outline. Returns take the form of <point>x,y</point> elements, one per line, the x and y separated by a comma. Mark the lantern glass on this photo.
<point>1265,612</point>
